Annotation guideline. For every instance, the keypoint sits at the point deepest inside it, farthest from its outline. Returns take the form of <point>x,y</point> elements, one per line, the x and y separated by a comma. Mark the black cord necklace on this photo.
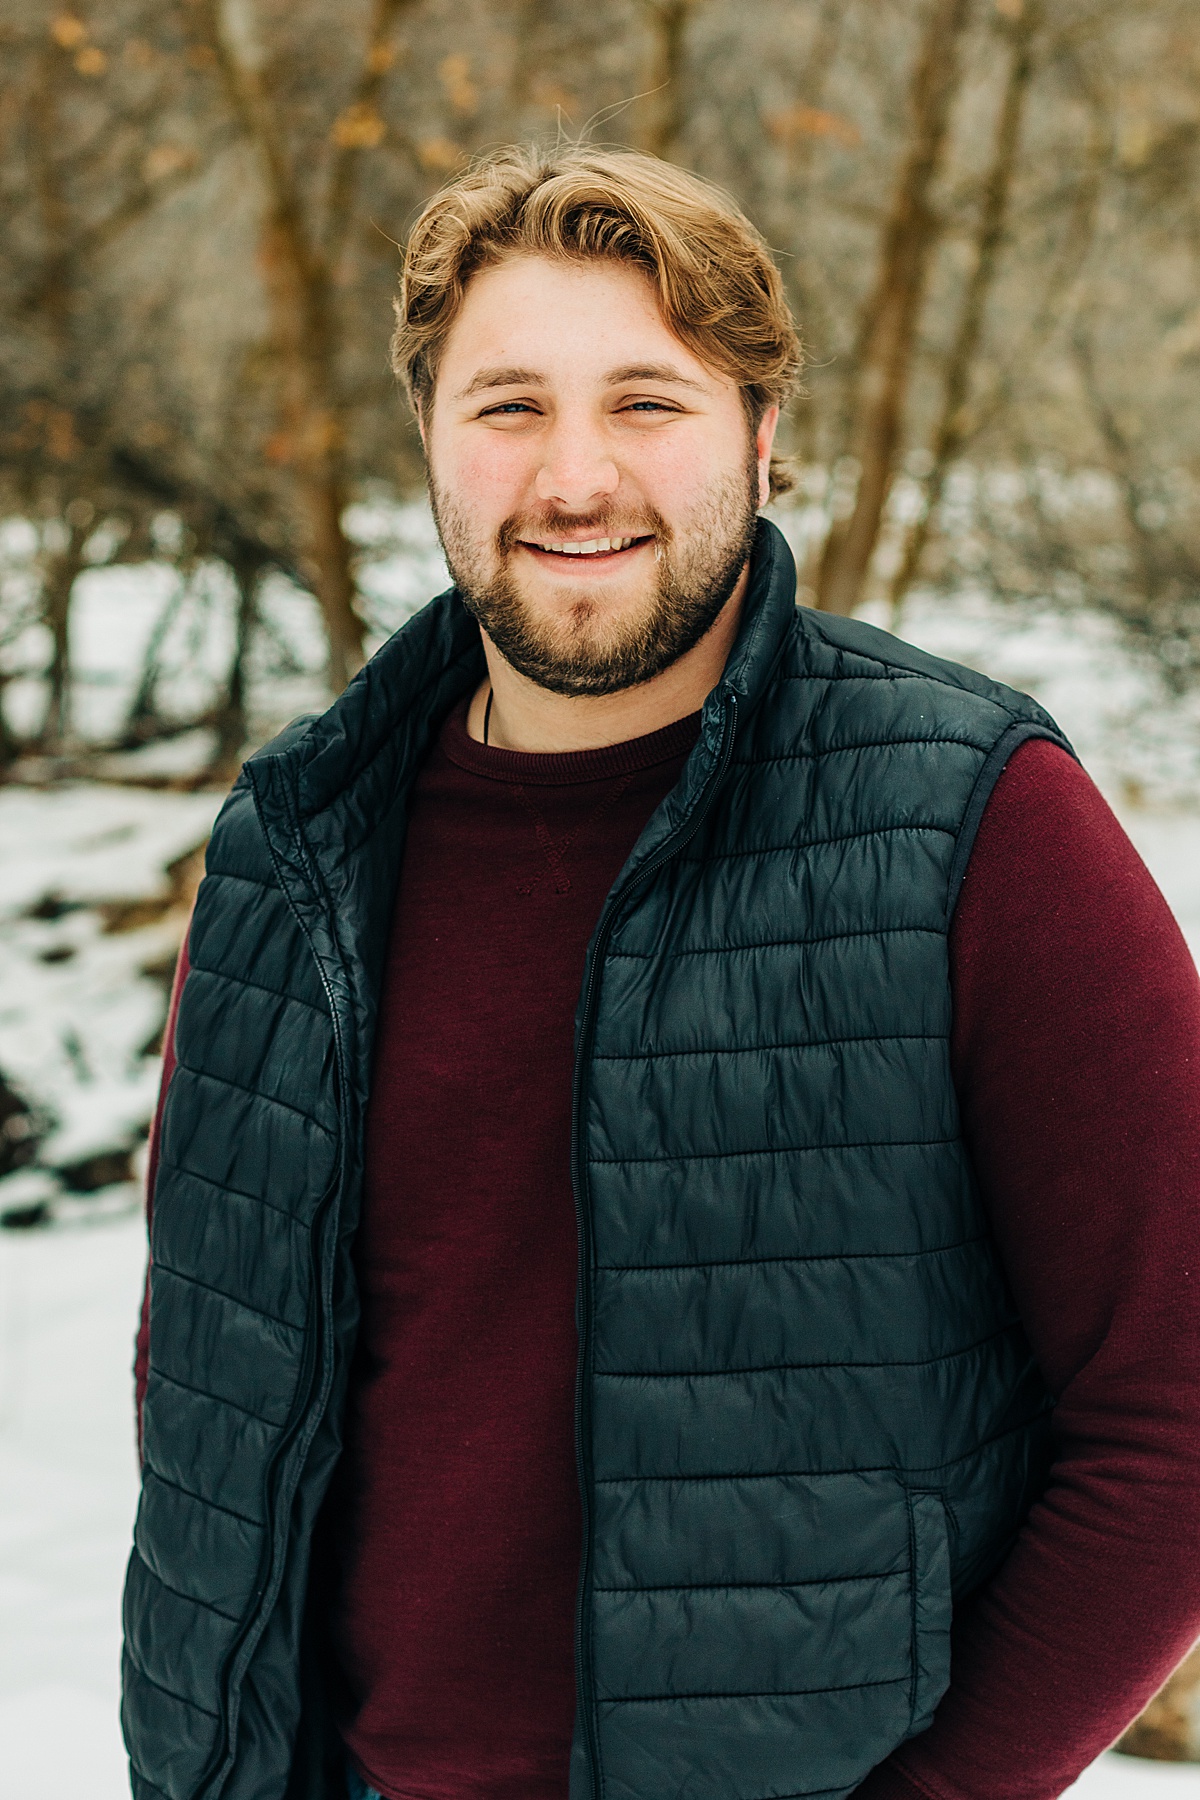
<point>487,713</point>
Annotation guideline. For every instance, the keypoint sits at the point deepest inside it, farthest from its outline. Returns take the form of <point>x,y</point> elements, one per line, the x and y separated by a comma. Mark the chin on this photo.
<point>589,622</point>
<point>575,601</point>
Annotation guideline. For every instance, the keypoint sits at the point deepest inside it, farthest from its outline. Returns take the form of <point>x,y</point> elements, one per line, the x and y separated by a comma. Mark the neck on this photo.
<point>524,716</point>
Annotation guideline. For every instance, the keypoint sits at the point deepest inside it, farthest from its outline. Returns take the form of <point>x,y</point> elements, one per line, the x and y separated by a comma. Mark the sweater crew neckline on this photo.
<point>564,768</point>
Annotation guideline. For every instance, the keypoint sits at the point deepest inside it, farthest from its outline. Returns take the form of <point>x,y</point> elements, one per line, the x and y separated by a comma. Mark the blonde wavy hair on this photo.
<point>717,285</point>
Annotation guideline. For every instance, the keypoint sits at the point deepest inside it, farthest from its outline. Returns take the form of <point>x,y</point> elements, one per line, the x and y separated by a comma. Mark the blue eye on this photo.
<point>508,406</point>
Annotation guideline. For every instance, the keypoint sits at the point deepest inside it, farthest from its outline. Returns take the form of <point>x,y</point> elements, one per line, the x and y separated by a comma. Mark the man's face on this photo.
<point>595,485</point>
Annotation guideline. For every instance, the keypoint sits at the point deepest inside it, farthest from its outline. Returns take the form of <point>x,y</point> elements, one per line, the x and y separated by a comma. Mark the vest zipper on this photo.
<point>585,1697</point>
<point>268,1591</point>
<point>242,1651</point>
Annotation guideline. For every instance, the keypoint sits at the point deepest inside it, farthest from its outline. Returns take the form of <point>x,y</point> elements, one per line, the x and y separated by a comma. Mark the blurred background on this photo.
<point>987,213</point>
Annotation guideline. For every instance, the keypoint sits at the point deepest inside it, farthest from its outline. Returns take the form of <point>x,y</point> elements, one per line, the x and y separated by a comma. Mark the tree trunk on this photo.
<point>58,584</point>
<point>893,311</point>
<point>231,722</point>
<point>142,720</point>
<point>1122,463</point>
<point>954,423</point>
<point>816,320</point>
<point>311,438</point>
<point>1169,1729</point>
<point>10,749</point>
<point>531,21</point>
<point>310,441</point>
<point>664,95</point>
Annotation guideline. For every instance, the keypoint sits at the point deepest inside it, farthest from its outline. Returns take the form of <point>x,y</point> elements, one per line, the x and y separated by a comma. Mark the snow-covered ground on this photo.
<point>89,924</point>
<point>68,1486</point>
<point>87,906</point>
<point>1140,742</point>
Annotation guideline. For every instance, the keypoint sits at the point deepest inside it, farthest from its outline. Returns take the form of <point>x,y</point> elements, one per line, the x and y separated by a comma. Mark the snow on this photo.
<point>77,1009</point>
<point>84,841</point>
<point>68,1487</point>
<point>87,907</point>
<point>120,613</point>
<point>1132,1778</point>
<point>1138,740</point>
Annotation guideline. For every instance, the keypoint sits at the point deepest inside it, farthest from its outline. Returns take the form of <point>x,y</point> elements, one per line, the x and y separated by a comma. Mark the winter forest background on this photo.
<point>988,217</point>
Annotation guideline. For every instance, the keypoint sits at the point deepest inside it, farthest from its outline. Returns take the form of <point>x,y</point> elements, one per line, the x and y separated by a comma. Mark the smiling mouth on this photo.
<point>590,549</point>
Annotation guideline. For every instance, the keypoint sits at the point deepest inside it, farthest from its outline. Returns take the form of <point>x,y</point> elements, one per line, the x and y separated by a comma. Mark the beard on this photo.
<point>583,649</point>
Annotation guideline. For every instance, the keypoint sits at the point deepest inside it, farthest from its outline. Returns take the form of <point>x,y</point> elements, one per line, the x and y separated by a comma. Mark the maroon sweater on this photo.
<point>455,1515</point>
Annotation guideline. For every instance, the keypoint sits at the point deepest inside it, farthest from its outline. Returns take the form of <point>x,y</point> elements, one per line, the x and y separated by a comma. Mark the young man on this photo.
<point>674,1245</point>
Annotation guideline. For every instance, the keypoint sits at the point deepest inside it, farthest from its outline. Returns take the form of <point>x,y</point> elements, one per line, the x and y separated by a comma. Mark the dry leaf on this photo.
<point>810,121</point>
<point>380,58</point>
<point>455,73</point>
<point>554,95</point>
<point>279,448</point>
<point>68,31</point>
<point>60,437</point>
<point>164,160</point>
<point>359,127</point>
<point>439,153</point>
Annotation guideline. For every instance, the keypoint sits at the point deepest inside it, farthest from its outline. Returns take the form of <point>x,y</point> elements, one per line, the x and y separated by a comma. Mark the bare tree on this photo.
<point>954,422</point>
<point>888,329</point>
<point>300,257</point>
<point>205,198</point>
<point>665,101</point>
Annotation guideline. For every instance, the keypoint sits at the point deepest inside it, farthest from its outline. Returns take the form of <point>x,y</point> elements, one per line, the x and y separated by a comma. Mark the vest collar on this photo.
<point>332,800</point>
<point>375,735</point>
<point>768,611</point>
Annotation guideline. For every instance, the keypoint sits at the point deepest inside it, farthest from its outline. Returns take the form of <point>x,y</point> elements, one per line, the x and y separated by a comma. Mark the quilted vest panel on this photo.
<point>812,1412</point>
<point>807,1417</point>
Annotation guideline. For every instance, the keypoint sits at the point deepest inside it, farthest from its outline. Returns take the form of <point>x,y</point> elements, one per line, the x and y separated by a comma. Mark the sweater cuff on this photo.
<point>888,1782</point>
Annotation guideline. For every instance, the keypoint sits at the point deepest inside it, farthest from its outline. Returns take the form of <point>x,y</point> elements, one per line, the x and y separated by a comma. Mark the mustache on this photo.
<point>604,522</point>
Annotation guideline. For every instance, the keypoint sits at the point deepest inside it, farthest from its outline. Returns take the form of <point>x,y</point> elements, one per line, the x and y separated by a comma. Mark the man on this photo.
<point>674,1235</point>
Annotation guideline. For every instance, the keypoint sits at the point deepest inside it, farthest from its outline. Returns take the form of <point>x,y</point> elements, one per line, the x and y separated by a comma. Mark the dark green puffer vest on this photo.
<point>807,1414</point>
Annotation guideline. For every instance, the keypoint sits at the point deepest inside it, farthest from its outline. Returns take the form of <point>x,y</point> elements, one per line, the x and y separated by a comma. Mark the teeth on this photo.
<point>592,547</point>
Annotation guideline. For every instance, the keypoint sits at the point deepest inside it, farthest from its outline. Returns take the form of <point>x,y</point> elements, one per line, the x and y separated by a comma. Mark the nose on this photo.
<point>577,470</point>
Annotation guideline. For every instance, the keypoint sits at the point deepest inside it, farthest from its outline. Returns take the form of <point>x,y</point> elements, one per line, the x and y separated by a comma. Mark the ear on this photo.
<point>764,441</point>
<point>419,409</point>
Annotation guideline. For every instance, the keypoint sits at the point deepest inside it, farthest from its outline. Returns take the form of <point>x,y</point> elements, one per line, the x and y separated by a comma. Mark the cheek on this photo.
<point>489,474</point>
<point>678,471</point>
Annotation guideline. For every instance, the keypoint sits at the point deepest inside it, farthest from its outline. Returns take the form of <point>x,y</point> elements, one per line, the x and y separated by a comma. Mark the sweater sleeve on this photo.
<point>141,1362</point>
<point>1076,1051</point>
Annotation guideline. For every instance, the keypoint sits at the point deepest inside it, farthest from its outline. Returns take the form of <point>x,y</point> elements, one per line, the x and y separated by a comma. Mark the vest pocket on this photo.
<point>931,1608</point>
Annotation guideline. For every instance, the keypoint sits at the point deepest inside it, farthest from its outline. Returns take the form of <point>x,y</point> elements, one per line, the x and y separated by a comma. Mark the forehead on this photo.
<point>565,320</point>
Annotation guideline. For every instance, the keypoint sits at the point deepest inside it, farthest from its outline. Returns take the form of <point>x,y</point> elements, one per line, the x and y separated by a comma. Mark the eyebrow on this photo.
<point>495,378</point>
<point>486,379</point>
<point>654,372</point>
